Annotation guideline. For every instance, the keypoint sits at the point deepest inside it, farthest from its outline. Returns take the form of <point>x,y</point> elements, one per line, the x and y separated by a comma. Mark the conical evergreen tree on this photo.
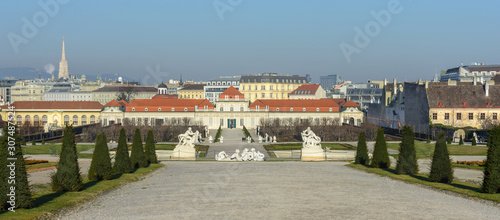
<point>4,170</point>
<point>150,148</point>
<point>362,150</point>
<point>100,167</point>
<point>428,139</point>
<point>67,177</point>
<point>474,143</point>
<point>448,140</point>
<point>33,142</point>
<point>380,155</point>
<point>441,170</point>
<point>491,181</point>
<point>43,141</point>
<point>461,142</point>
<point>122,159</point>
<point>407,159</point>
<point>22,191</point>
<point>137,157</point>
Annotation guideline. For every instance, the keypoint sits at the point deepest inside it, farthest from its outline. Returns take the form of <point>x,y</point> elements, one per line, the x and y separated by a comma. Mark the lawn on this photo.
<point>467,166</point>
<point>47,203</point>
<point>467,189</point>
<point>56,148</point>
<point>165,146</point>
<point>298,146</point>
<point>41,165</point>
<point>424,150</point>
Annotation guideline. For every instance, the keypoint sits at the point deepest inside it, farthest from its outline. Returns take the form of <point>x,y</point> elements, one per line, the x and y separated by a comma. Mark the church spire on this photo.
<point>63,65</point>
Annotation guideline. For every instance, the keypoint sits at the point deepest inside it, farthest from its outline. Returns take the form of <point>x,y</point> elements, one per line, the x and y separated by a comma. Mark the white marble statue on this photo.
<point>310,139</point>
<point>274,138</point>
<point>260,139</point>
<point>210,139</point>
<point>246,155</point>
<point>188,138</point>
<point>267,138</point>
<point>475,137</point>
<point>221,139</point>
<point>249,139</point>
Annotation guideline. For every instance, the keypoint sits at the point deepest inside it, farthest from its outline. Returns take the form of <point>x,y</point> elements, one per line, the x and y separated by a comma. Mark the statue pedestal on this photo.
<point>312,154</point>
<point>183,153</point>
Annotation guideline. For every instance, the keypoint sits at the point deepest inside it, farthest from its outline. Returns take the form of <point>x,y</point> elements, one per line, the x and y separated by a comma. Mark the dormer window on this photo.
<point>291,109</point>
<point>277,109</point>
<point>330,109</point>
<point>146,109</point>
<point>226,97</point>
<point>317,109</point>
<point>185,109</point>
<point>205,107</point>
<point>159,109</point>
<point>173,109</point>
<point>133,109</point>
<point>258,107</point>
<point>304,109</point>
<point>237,97</point>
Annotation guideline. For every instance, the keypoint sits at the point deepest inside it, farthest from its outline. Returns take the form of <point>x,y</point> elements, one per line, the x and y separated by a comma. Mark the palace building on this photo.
<point>232,110</point>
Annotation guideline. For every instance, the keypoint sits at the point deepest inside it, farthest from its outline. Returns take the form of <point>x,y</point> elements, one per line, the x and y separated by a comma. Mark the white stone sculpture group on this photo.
<point>310,139</point>
<point>189,138</point>
<point>246,155</point>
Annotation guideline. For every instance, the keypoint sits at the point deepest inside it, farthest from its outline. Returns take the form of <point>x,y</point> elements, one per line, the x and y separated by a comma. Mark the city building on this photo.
<point>170,88</point>
<point>475,71</point>
<point>55,114</point>
<point>192,91</point>
<point>390,112</point>
<point>215,87</point>
<point>63,65</point>
<point>361,93</point>
<point>308,91</point>
<point>269,85</point>
<point>6,90</point>
<point>330,81</point>
<point>27,91</point>
<point>107,93</point>
<point>232,110</point>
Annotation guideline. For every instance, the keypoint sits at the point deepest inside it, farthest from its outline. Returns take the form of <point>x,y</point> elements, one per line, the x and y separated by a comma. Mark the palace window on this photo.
<point>263,95</point>
<point>446,116</point>
<point>471,116</point>
<point>84,120</point>
<point>483,116</point>
<point>459,116</point>
<point>434,116</point>
<point>36,120</point>
<point>495,116</point>
<point>241,109</point>
<point>66,120</point>
<point>19,120</point>
<point>263,87</point>
<point>44,119</point>
<point>75,120</point>
<point>231,109</point>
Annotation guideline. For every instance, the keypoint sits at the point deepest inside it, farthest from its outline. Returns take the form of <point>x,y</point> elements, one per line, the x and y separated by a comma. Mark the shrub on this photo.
<point>67,177</point>
<point>218,134</point>
<point>461,142</point>
<point>100,167</point>
<point>491,180</point>
<point>407,159</point>
<point>380,155</point>
<point>428,139</point>
<point>33,162</point>
<point>150,148</point>
<point>43,141</point>
<point>137,157</point>
<point>441,170</point>
<point>362,150</point>
<point>33,142</point>
<point>122,159</point>
<point>474,143</point>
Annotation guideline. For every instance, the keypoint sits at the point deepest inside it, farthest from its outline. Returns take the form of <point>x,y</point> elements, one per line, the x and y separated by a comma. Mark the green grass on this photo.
<point>463,188</point>
<point>41,165</point>
<point>47,202</point>
<point>45,149</point>
<point>298,146</point>
<point>165,146</point>
<point>467,166</point>
<point>424,149</point>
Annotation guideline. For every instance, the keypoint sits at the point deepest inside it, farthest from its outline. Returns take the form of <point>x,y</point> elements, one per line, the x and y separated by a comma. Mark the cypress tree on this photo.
<point>33,142</point>
<point>23,141</point>
<point>407,159</point>
<point>122,159</point>
<point>43,140</point>
<point>461,142</point>
<point>137,157</point>
<point>380,155</point>
<point>23,193</point>
<point>448,140</point>
<point>441,170</point>
<point>428,139</point>
<point>100,167</point>
<point>362,150</point>
<point>4,171</point>
<point>491,181</point>
<point>150,148</point>
<point>474,143</point>
<point>67,177</point>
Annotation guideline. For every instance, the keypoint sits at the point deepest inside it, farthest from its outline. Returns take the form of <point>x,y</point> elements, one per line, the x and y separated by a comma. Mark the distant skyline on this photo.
<point>153,41</point>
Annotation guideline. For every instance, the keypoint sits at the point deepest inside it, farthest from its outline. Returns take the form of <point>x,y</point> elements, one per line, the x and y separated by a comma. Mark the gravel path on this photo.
<point>277,190</point>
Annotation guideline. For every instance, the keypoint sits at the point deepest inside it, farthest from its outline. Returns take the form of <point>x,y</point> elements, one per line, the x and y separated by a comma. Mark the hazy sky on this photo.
<point>203,39</point>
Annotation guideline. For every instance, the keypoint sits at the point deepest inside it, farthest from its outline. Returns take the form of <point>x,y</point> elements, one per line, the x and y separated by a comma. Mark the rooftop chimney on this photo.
<point>474,80</point>
<point>426,84</point>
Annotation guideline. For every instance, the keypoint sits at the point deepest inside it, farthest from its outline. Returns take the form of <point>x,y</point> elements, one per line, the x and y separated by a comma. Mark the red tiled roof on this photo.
<point>165,97</point>
<point>298,105</point>
<point>306,89</point>
<point>231,93</point>
<point>167,104</point>
<point>57,105</point>
<point>339,102</point>
<point>350,103</point>
<point>112,103</point>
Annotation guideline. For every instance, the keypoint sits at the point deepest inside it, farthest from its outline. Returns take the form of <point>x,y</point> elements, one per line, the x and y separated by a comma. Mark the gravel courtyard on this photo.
<point>276,190</point>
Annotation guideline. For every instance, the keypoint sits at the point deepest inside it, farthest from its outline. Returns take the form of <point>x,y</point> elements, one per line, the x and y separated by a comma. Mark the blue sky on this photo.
<point>253,36</point>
